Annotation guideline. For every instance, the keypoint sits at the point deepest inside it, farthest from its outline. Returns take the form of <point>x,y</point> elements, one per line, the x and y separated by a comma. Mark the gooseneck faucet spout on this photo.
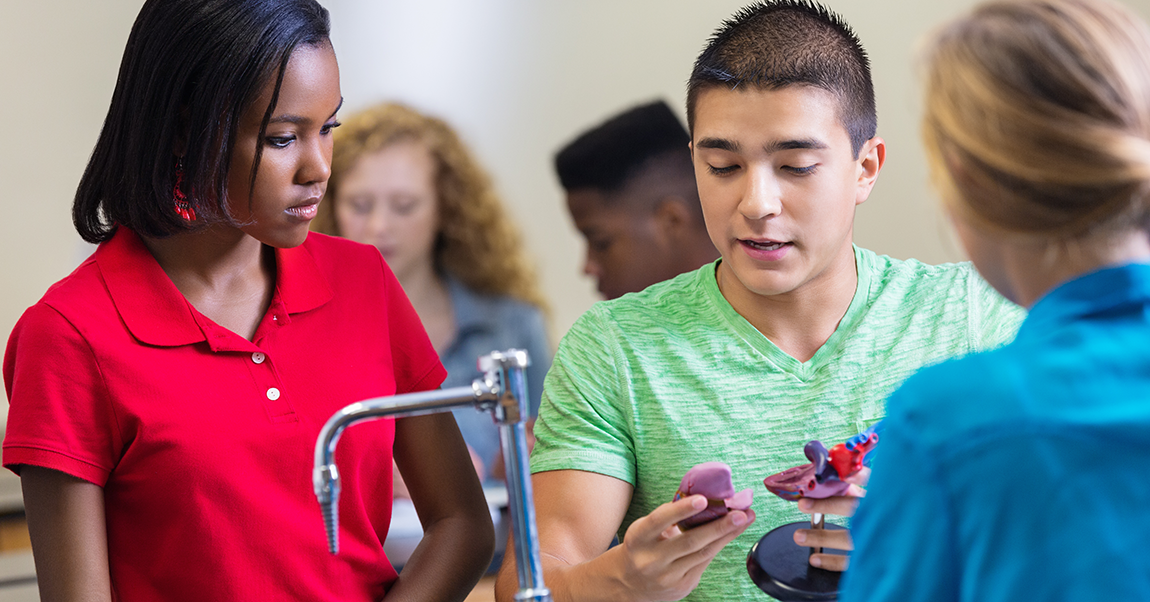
<point>502,390</point>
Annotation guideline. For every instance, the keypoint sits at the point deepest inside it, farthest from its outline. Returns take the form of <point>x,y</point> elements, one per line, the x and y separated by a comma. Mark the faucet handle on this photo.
<point>512,358</point>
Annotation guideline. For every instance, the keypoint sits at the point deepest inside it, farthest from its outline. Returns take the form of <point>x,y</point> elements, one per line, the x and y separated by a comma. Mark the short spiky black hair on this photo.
<point>779,43</point>
<point>611,154</point>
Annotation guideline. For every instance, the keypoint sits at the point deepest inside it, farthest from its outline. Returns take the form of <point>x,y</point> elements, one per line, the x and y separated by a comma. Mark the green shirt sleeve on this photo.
<point>994,320</point>
<point>582,424</point>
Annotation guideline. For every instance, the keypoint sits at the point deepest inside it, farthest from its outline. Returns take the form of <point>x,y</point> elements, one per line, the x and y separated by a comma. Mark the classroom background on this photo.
<point>517,78</point>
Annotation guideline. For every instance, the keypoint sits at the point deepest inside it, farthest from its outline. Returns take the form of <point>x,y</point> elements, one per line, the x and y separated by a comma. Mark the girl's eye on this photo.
<point>279,141</point>
<point>722,171</point>
<point>405,207</point>
<point>328,127</point>
<point>801,171</point>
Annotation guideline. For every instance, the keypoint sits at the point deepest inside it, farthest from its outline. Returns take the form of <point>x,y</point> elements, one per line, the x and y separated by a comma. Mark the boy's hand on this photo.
<point>578,514</point>
<point>657,561</point>
<point>843,505</point>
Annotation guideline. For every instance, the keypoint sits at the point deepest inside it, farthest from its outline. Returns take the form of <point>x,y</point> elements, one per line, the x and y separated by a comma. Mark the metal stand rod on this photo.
<point>817,522</point>
<point>503,392</point>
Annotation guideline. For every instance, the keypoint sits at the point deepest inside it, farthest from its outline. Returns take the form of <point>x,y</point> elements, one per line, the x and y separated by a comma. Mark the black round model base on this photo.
<point>780,567</point>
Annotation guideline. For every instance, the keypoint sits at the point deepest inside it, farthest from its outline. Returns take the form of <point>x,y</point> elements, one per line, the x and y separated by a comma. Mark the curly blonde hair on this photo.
<point>477,243</point>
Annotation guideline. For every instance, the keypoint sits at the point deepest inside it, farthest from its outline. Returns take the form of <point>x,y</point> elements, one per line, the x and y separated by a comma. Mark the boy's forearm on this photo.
<point>596,580</point>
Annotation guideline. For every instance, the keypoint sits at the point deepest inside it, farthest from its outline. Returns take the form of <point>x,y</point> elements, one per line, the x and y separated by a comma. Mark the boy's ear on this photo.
<point>672,217</point>
<point>872,156</point>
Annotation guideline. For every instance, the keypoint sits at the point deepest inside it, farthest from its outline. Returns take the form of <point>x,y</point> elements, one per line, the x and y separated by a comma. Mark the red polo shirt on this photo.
<point>202,440</point>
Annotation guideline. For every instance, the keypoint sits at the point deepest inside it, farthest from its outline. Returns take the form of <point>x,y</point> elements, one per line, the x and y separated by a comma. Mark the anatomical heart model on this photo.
<point>776,563</point>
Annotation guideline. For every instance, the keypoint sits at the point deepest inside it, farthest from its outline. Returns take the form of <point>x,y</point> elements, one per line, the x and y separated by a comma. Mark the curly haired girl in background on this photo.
<point>404,182</point>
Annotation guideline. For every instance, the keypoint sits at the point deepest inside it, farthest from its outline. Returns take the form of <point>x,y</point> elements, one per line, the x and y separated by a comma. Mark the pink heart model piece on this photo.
<point>712,480</point>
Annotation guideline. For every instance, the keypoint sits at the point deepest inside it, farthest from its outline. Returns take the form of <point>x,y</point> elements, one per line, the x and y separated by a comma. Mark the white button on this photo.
<point>258,357</point>
<point>273,393</point>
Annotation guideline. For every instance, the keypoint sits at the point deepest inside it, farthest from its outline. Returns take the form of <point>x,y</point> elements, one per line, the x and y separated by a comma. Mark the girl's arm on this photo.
<point>458,538</point>
<point>69,537</point>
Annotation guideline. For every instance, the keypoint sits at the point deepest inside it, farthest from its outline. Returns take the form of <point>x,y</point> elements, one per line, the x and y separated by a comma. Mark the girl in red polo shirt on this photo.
<point>166,396</point>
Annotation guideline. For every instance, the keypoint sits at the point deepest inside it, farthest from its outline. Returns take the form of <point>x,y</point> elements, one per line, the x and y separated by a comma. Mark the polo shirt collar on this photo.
<point>1089,294</point>
<point>155,311</point>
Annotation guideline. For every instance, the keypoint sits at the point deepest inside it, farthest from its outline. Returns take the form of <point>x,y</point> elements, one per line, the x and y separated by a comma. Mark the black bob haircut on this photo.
<point>190,69</point>
<point>779,43</point>
<point>607,156</point>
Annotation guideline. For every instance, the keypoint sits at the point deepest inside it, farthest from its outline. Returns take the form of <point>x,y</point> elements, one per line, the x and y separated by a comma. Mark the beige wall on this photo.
<point>518,78</point>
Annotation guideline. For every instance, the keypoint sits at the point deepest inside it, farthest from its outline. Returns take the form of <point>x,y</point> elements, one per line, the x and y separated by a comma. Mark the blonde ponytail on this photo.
<point>1037,116</point>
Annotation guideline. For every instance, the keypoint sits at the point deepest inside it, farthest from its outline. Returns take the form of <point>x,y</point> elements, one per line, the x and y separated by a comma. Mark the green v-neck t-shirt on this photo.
<point>646,386</point>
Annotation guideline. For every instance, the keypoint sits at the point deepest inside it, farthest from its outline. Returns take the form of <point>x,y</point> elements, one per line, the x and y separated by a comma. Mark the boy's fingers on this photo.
<point>838,505</point>
<point>824,538</point>
<point>860,478</point>
<point>656,524</point>
<point>702,543</point>
<point>830,562</point>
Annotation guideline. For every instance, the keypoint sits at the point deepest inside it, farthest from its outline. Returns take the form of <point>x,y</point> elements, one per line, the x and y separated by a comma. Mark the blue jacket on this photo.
<point>1020,473</point>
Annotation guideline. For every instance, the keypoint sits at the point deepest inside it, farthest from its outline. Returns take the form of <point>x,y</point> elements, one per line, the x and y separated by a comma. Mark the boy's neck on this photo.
<point>801,320</point>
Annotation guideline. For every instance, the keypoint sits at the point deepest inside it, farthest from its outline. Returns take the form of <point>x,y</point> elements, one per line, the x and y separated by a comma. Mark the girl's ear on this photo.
<point>180,142</point>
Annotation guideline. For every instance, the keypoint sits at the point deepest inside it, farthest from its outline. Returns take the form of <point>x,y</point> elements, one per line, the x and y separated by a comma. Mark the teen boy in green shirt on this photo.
<point>794,334</point>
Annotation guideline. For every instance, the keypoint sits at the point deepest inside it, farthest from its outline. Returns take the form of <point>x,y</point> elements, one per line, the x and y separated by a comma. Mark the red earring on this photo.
<point>179,199</point>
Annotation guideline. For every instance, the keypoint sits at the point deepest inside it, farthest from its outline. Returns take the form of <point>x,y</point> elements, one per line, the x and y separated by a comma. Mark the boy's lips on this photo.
<point>763,249</point>
<point>763,244</point>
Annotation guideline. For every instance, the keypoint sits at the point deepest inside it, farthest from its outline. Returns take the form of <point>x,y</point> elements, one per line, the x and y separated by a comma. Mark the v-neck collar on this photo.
<point>777,357</point>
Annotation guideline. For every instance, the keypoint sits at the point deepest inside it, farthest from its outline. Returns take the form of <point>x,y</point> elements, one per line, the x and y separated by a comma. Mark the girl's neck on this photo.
<point>207,255</point>
<point>225,274</point>
<point>1037,268</point>
<point>428,294</point>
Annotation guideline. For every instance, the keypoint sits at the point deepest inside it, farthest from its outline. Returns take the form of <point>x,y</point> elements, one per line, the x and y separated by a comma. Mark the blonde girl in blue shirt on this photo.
<point>1020,473</point>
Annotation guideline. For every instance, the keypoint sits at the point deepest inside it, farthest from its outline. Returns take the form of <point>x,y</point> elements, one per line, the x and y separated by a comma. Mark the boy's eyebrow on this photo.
<point>804,143</point>
<point>778,145</point>
<point>719,143</point>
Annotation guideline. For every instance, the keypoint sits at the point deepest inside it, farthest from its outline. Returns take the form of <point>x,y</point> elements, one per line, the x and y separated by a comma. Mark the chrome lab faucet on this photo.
<point>502,390</point>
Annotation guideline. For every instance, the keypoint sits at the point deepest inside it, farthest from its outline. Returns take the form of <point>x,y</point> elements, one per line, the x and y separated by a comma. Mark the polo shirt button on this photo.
<point>258,357</point>
<point>273,393</point>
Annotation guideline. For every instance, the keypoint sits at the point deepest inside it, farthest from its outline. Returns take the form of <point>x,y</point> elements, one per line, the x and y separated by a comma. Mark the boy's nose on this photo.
<point>591,267</point>
<point>763,196</point>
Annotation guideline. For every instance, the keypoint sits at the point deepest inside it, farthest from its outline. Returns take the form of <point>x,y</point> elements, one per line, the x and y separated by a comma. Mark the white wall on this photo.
<point>517,77</point>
